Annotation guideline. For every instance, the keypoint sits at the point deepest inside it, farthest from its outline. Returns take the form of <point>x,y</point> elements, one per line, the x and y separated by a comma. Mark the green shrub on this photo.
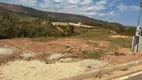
<point>11,27</point>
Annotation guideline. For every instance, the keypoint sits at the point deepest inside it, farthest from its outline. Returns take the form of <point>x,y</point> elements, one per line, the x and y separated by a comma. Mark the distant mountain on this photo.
<point>53,16</point>
<point>62,17</point>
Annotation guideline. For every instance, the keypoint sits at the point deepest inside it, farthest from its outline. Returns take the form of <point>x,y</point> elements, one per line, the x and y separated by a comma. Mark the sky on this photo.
<point>122,11</point>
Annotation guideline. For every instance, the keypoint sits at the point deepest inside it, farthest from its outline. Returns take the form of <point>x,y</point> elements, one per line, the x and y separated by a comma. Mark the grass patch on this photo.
<point>94,54</point>
<point>125,43</point>
<point>91,34</point>
<point>102,34</point>
<point>94,44</point>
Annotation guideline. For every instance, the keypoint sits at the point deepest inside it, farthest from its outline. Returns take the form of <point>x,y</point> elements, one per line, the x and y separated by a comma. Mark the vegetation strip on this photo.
<point>103,71</point>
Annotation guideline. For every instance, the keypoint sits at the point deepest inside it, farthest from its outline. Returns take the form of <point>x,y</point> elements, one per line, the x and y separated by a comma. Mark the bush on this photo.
<point>11,27</point>
<point>94,54</point>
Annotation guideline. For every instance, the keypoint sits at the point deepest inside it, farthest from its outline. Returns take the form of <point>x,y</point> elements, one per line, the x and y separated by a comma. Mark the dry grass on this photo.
<point>95,54</point>
<point>44,39</point>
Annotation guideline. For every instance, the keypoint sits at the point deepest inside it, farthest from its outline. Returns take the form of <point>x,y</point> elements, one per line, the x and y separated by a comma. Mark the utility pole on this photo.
<point>136,39</point>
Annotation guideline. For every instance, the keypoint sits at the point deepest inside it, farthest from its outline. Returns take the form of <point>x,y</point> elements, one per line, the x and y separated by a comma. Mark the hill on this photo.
<point>52,16</point>
<point>23,15</point>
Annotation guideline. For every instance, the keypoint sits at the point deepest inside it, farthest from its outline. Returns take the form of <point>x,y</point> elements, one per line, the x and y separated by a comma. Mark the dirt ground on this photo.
<point>32,50</point>
<point>119,36</point>
<point>70,46</point>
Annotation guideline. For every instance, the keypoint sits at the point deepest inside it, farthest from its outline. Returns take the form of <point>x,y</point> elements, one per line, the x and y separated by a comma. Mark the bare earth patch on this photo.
<point>64,67</point>
<point>119,36</point>
<point>121,59</point>
<point>69,45</point>
<point>59,46</point>
<point>124,51</point>
<point>37,70</point>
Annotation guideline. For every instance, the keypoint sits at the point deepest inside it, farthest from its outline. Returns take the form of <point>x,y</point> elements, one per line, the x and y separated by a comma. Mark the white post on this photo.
<point>135,43</point>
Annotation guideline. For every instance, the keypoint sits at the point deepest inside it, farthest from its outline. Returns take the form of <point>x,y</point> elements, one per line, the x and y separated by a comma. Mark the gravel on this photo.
<point>37,70</point>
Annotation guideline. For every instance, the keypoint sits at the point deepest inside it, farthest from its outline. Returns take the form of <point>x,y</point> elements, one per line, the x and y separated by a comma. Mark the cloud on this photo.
<point>112,13</point>
<point>89,8</point>
<point>101,2</point>
<point>87,2</point>
<point>123,7</point>
<point>83,7</point>
<point>114,3</point>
